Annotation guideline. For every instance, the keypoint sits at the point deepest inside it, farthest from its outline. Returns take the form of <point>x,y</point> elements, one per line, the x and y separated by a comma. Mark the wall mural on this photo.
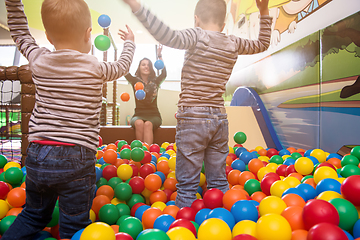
<point>310,88</point>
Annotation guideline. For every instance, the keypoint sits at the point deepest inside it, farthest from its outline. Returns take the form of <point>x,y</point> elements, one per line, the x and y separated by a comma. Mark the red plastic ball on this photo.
<point>135,207</point>
<point>318,211</point>
<point>244,236</point>
<point>4,190</point>
<point>350,189</point>
<point>326,231</point>
<point>281,170</point>
<point>123,236</point>
<point>213,198</point>
<point>198,204</point>
<point>290,169</point>
<point>183,223</point>
<point>137,184</point>
<point>147,157</point>
<point>109,172</point>
<point>267,181</point>
<point>100,141</point>
<point>145,170</point>
<point>326,164</point>
<point>271,152</point>
<point>135,170</point>
<point>154,148</point>
<point>186,213</point>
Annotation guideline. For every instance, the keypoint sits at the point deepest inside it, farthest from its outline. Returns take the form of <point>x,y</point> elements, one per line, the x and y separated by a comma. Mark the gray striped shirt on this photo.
<point>209,59</point>
<point>68,85</point>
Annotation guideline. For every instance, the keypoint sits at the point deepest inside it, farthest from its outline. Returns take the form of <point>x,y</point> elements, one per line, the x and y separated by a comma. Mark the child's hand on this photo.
<point>129,35</point>
<point>262,6</point>
<point>159,49</point>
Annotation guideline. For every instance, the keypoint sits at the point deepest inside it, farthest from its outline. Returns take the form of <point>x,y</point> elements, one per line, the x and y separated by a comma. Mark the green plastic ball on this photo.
<point>5,223</point>
<point>55,218</point>
<point>134,199</point>
<point>240,137</point>
<point>153,234</point>
<point>102,181</point>
<point>3,161</point>
<point>276,159</point>
<point>251,186</point>
<point>347,213</point>
<point>349,170</point>
<point>13,175</point>
<point>137,154</point>
<point>136,143</point>
<point>125,154</point>
<point>356,152</point>
<point>123,191</point>
<point>349,159</point>
<point>122,218</point>
<point>114,181</point>
<point>296,155</point>
<point>121,143</point>
<point>123,209</point>
<point>109,214</point>
<point>102,42</point>
<point>131,226</point>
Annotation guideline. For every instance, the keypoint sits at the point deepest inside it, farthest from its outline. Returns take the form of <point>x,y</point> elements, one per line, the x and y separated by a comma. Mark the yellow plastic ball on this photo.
<point>273,227</point>
<point>328,195</point>
<point>304,165</point>
<point>98,231</point>
<point>4,208</point>
<point>165,145</point>
<point>174,147</point>
<point>278,188</point>
<point>11,164</point>
<point>324,172</point>
<point>161,159</point>
<point>202,179</point>
<point>285,156</point>
<point>198,196</point>
<point>172,163</point>
<point>271,204</point>
<point>272,167</point>
<point>258,148</point>
<point>170,152</point>
<point>292,181</point>
<point>231,150</point>
<point>159,205</point>
<point>124,172</point>
<point>244,227</point>
<point>319,154</point>
<point>214,229</point>
<point>262,172</point>
<point>116,201</point>
<point>179,233</point>
<point>92,215</point>
<point>264,158</point>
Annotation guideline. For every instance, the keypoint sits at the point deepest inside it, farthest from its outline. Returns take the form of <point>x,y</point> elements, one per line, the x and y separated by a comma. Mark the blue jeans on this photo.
<point>201,136</point>
<point>66,173</point>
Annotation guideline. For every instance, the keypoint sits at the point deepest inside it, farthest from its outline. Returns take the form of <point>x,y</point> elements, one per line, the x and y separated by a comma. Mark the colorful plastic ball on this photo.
<point>140,211</point>
<point>244,237</point>
<point>109,214</point>
<point>104,21</point>
<point>267,181</point>
<point>355,151</point>
<point>152,234</point>
<point>328,195</point>
<point>184,223</point>
<point>246,156</point>
<point>214,229</point>
<point>349,170</point>
<point>186,213</point>
<point>328,184</point>
<point>240,137</point>
<point>140,94</point>
<point>201,215</point>
<point>163,222</point>
<point>5,223</point>
<point>271,204</point>
<point>356,229</point>
<point>13,175</point>
<point>149,216</point>
<point>244,210</point>
<point>319,154</point>
<point>213,198</point>
<point>251,186</point>
<point>137,184</point>
<point>349,159</point>
<point>223,214</point>
<point>16,197</point>
<point>178,233</point>
<point>125,96</point>
<point>159,64</point>
<point>324,172</point>
<point>304,165</point>
<point>102,42</point>
<point>271,152</point>
<point>232,196</point>
<point>318,211</point>
<point>273,226</point>
<point>123,236</point>
<point>123,208</point>
<point>309,192</point>
<point>4,208</point>
<point>350,189</point>
<point>123,191</point>
<point>98,231</point>
<point>3,161</point>
<point>131,226</point>
<point>77,235</point>
<point>326,231</point>
<point>138,86</point>
<point>244,227</point>
<point>109,172</point>
<point>153,182</point>
<point>124,172</point>
<point>293,199</point>
<point>347,213</point>
<point>238,164</point>
<point>278,188</point>
<point>4,190</point>
<point>293,214</point>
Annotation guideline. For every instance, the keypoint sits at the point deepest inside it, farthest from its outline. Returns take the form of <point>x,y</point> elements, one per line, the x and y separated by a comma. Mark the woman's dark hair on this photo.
<point>152,72</point>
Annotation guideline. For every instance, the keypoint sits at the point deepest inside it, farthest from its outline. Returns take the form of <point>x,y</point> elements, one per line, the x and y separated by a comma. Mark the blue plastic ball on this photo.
<point>308,191</point>
<point>356,229</point>
<point>244,210</point>
<point>294,191</point>
<point>77,235</point>
<point>159,64</point>
<point>239,150</point>
<point>246,157</point>
<point>201,215</point>
<point>163,222</point>
<point>140,94</point>
<point>104,21</point>
<point>289,161</point>
<point>140,211</point>
<point>328,184</point>
<point>238,164</point>
<point>161,175</point>
<point>98,173</point>
<point>223,214</point>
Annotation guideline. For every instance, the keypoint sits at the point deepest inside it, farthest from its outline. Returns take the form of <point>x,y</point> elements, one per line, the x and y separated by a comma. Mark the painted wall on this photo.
<point>303,80</point>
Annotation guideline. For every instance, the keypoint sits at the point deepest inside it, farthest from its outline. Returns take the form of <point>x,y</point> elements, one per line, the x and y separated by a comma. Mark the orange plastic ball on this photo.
<point>299,234</point>
<point>296,175</point>
<point>258,196</point>
<point>173,196</point>
<point>293,199</point>
<point>244,176</point>
<point>229,160</point>
<point>335,162</point>
<point>149,216</point>
<point>254,165</point>
<point>98,202</point>
<point>14,211</point>
<point>99,154</point>
<point>163,166</point>
<point>110,156</point>
<point>291,149</point>
<point>16,197</point>
<point>171,210</point>
<point>262,152</point>
<point>233,177</point>
<point>125,97</point>
<point>293,215</point>
<point>170,183</point>
<point>311,182</point>
<point>158,196</point>
<point>152,182</point>
<point>111,146</point>
<point>139,86</point>
<point>231,196</point>
<point>105,190</point>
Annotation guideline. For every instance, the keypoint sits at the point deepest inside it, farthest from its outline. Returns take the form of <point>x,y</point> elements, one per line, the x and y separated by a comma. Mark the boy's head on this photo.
<point>67,22</point>
<point>211,12</point>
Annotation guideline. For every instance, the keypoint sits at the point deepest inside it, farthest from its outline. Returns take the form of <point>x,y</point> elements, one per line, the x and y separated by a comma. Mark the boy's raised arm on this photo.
<point>134,5</point>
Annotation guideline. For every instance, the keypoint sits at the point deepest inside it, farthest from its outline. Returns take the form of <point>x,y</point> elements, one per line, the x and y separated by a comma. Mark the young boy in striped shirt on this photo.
<point>64,125</point>
<point>202,125</point>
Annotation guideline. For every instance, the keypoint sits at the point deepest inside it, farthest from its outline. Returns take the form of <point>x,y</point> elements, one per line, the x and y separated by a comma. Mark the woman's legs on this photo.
<point>139,129</point>
<point>148,132</point>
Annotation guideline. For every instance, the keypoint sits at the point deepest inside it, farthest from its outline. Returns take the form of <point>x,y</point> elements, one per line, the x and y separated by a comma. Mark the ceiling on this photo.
<point>177,14</point>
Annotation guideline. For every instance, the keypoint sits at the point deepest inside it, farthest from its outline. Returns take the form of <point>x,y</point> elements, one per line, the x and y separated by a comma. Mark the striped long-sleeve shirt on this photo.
<point>68,85</point>
<point>209,58</point>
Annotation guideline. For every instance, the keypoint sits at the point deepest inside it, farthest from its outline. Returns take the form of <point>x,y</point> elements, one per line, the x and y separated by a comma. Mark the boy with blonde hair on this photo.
<point>64,125</point>
<point>202,125</point>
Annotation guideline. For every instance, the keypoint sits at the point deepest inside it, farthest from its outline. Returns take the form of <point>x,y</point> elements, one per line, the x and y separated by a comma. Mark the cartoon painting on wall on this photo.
<point>311,88</point>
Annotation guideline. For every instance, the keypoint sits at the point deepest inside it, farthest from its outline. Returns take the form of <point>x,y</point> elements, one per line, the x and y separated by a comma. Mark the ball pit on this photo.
<point>274,194</point>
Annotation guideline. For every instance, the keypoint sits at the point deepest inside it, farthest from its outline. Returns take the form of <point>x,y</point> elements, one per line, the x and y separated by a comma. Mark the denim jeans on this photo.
<point>66,173</point>
<point>201,136</point>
